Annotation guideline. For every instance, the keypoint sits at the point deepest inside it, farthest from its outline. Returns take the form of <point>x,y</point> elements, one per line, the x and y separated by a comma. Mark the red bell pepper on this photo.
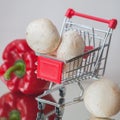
<point>21,107</point>
<point>18,69</point>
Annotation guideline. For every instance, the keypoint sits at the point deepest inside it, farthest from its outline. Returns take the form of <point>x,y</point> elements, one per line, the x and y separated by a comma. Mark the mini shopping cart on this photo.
<point>97,41</point>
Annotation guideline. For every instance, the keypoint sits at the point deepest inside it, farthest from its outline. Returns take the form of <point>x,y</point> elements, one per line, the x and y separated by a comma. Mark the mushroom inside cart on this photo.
<point>72,45</point>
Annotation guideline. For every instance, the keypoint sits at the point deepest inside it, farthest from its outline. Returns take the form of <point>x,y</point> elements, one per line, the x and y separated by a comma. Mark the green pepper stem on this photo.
<point>18,68</point>
<point>14,115</point>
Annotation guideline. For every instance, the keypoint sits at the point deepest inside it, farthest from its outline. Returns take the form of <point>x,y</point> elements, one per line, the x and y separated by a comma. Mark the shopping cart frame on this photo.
<point>93,59</point>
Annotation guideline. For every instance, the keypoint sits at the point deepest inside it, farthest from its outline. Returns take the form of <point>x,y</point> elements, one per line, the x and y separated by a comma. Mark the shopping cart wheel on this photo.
<point>59,111</point>
<point>62,91</point>
<point>58,118</point>
<point>41,106</point>
<point>61,100</point>
<point>40,116</point>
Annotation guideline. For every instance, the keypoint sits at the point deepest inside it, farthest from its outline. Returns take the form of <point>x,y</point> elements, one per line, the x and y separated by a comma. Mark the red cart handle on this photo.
<point>111,23</point>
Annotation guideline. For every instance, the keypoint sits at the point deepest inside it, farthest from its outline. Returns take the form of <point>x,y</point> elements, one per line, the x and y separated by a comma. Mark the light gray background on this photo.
<point>16,14</point>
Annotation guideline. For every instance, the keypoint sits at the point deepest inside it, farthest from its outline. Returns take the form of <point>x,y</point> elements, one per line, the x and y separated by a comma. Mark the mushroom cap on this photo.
<point>102,98</point>
<point>71,46</point>
<point>42,36</point>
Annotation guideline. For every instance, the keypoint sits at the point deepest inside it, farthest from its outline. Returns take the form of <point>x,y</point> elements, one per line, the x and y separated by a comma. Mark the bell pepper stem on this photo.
<point>14,115</point>
<point>18,68</point>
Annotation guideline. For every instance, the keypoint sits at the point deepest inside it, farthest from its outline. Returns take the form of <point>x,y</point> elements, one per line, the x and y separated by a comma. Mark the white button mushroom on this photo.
<point>72,45</point>
<point>102,98</point>
<point>42,36</point>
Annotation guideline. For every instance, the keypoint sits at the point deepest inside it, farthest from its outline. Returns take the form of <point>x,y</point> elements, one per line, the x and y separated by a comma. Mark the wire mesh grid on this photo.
<point>93,62</point>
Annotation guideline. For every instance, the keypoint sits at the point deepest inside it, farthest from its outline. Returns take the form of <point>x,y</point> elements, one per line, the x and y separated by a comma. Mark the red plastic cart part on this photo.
<point>49,69</point>
<point>87,48</point>
<point>112,23</point>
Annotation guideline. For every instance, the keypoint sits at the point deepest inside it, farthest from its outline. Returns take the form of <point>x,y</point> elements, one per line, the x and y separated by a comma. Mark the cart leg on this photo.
<point>41,106</point>
<point>60,110</point>
<point>58,118</point>
<point>40,116</point>
<point>61,101</point>
<point>51,84</point>
<point>81,88</point>
<point>62,91</point>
